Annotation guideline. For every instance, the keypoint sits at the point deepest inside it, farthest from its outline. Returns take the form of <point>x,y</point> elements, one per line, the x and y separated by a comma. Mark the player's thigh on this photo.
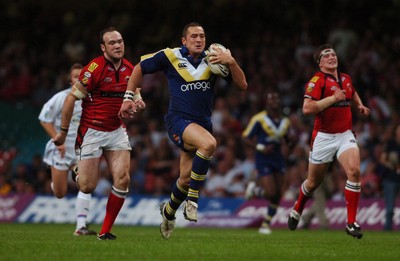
<point>350,161</point>
<point>88,170</point>
<point>316,173</point>
<point>118,163</point>
<point>195,137</point>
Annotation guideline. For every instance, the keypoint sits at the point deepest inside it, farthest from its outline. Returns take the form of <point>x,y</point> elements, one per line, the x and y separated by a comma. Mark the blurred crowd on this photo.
<point>273,43</point>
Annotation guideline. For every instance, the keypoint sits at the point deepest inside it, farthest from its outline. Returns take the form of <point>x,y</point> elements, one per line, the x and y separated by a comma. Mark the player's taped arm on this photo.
<point>133,96</point>
<point>132,92</point>
<point>78,91</point>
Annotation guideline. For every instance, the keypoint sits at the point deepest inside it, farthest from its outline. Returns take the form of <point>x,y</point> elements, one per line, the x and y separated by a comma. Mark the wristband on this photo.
<point>128,96</point>
<point>260,147</point>
<point>137,97</point>
<point>64,129</point>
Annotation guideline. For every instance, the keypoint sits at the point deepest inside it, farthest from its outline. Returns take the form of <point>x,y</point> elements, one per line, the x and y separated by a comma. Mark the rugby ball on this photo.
<point>217,68</point>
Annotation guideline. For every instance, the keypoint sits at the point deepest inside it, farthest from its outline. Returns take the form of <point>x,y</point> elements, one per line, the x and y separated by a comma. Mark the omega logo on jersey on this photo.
<point>107,79</point>
<point>196,86</point>
<point>123,69</point>
<point>182,65</point>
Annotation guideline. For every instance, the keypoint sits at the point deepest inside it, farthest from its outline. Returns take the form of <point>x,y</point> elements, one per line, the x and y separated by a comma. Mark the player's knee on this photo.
<point>60,194</point>
<point>353,174</point>
<point>86,187</point>
<point>210,146</point>
<point>184,181</point>
<point>122,182</point>
<point>312,185</point>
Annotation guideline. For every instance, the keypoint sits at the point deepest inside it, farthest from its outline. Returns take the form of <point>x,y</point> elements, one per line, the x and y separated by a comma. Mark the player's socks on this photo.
<point>200,167</point>
<point>82,209</point>
<point>259,192</point>
<point>272,208</point>
<point>114,204</point>
<point>304,195</point>
<point>352,195</point>
<point>178,195</point>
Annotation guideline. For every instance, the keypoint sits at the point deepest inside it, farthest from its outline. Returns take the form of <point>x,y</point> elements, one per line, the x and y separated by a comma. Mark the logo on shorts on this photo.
<point>176,138</point>
<point>352,141</point>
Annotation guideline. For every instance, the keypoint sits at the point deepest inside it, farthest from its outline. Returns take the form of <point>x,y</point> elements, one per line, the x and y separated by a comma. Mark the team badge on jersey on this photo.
<point>310,86</point>
<point>314,79</point>
<point>92,67</point>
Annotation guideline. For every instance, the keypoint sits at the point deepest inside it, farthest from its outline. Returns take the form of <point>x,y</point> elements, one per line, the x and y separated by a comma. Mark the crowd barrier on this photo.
<point>213,212</point>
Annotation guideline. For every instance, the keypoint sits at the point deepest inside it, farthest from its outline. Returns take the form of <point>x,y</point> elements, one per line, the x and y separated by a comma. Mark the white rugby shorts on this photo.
<point>52,156</point>
<point>326,145</point>
<point>94,142</point>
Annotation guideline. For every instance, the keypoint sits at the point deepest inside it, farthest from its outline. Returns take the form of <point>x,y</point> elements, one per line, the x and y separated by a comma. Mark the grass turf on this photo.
<point>56,242</point>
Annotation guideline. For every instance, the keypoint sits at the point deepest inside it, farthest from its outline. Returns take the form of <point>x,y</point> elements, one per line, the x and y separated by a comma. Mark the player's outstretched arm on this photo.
<point>66,116</point>
<point>132,98</point>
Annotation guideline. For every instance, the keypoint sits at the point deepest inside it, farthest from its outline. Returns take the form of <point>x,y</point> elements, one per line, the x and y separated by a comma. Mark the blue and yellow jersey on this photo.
<point>267,132</point>
<point>191,83</point>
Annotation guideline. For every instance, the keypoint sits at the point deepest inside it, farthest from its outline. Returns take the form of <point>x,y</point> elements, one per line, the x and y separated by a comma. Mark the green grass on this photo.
<point>56,242</point>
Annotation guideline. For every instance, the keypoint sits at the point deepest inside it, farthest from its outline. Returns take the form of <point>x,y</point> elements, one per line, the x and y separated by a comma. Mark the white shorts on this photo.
<point>94,142</point>
<point>326,145</point>
<point>52,156</point>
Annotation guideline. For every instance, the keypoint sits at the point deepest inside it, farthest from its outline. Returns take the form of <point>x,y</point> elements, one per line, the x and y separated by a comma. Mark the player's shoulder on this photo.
<point>317,77</point>
<point>260,115</point>
<point>94,64</point>
<point>160,53</point>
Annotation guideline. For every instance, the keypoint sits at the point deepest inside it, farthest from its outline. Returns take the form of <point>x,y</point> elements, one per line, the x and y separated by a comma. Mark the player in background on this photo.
<point>62,159</point>
<point>101,87</point>
<point>328,96</point>
<point>188,120</point>
<point>267,132</point>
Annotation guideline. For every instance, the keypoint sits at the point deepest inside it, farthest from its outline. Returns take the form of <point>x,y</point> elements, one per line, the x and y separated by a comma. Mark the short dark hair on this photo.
<point>317,53</point>
<point>185,29</point>
<point>106,30</point>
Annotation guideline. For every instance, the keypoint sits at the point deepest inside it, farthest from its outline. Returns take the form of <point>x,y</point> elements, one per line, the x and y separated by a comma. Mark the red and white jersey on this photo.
<point>337,118</point>
<point>106,87</point>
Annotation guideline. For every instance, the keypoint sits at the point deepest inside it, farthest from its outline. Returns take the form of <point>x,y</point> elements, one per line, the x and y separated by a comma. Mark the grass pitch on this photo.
<point>56,242</point>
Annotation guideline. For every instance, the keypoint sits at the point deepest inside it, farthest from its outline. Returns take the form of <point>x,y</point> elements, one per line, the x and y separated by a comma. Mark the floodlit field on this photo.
<point>56,242</point>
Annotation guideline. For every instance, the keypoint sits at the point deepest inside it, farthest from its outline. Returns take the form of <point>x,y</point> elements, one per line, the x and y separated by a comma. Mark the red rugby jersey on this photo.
<point>337,118</point>
<point>106,87</point>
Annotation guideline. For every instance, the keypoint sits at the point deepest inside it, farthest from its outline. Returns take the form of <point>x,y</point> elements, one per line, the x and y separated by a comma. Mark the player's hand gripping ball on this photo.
<point>217,68</point>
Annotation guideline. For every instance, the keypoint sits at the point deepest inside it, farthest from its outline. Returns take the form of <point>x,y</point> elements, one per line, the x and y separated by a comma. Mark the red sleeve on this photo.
<point>89,73</point>
<point>313,87</point>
